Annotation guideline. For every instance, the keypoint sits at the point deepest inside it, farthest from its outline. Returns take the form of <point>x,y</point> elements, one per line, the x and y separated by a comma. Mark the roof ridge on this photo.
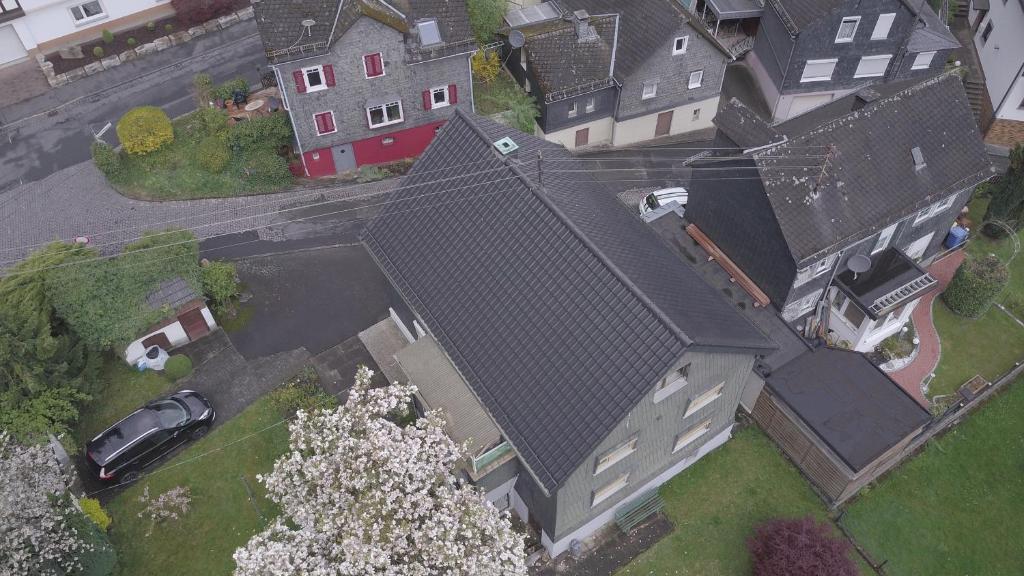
<point>536,189</point>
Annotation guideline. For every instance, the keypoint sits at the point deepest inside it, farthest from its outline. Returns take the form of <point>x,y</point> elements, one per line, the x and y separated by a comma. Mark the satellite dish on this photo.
<point>858,263</point>
<point>308,22</point>
<point>516,39</point>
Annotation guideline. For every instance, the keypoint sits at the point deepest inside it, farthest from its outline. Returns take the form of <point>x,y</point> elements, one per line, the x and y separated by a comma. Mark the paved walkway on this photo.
<point>21,81</point>
<point>910,377</point>
<point>77,201</point>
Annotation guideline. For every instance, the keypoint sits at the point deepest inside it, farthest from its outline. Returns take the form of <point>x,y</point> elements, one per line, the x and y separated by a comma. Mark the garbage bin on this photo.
<point>957,235</point>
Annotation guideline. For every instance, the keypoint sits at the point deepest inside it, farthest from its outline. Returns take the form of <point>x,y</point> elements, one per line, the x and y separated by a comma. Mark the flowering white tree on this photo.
<point>362,496</point>
<point>37,535</point>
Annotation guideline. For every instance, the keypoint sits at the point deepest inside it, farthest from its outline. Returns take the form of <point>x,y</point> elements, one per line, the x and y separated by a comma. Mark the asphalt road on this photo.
<point>45,134</point>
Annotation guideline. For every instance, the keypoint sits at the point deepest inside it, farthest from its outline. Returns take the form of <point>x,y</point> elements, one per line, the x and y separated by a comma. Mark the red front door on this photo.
<point>664,124</point>
<point>582,137</point>
<point>194,324</point>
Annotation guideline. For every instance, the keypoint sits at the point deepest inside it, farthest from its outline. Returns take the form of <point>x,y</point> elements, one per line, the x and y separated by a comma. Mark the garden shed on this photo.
<point>187,318</point>
<point>839,418</point>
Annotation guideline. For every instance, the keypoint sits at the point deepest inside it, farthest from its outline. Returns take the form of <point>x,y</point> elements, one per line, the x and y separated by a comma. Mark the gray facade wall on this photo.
<point>353,90</point>
<point>555,116</point>
<point>672,72</point>
<point>784,59</point>
<point>499,475</point>
<point>656,426</point>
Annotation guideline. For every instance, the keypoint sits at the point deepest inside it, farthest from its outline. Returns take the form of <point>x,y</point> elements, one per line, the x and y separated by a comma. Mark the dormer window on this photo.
<point>847,29</point>
<point>680,45</point>
<point>429,33</point>
<point>373,65</point>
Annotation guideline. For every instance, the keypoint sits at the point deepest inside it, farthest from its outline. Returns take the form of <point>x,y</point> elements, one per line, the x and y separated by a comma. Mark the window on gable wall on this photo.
<point>847,29</point>
<point>672,383</point>
<point>373,65</point>
<point>591,104</point>
<point>650,90</point>
<point>818,70</point>
<point>704,399</point>
<point>573,110</point>
<point>696,78</point>
<point>798,308</point>
<point>616,455</point>
<point>987,32</point>
<point>882,26</point>
<point>814,270</point>
<point>872,66</point>
<point>325,123</point>
<point>384,114</point>
<point>935,209</point>
<point>922,60</point>
<point>691,435</point>
<point>680,45</point>
<point>87,11</point>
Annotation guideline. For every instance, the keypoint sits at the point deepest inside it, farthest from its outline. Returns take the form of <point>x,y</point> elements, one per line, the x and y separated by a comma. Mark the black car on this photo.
<point>119,453</point>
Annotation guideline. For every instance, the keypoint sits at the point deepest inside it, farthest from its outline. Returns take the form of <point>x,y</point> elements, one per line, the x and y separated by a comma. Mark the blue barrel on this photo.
<point>957,235</point>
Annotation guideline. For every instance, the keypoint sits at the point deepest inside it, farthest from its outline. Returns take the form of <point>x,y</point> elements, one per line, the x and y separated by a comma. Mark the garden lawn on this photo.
<point>494,97</point>
<point>990,345</point>
<point>716,503</point>
<point>174,173</point>
<point>957,507</point>
<point>122,389</point>
<point>222,516</point>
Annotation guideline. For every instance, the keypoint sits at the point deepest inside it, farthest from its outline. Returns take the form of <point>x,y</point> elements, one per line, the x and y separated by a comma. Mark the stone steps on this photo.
<point>975,95</point>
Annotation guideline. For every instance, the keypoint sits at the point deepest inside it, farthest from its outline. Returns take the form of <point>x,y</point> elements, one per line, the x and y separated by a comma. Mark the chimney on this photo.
<point>584,31</point>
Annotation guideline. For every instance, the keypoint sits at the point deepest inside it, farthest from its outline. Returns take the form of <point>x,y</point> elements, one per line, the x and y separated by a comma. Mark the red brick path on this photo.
<point>910,377</point>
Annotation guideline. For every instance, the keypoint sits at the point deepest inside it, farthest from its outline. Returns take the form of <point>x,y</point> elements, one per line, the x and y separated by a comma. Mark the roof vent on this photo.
<point>506,146</point>
<point>918,157</point>
<point>863,97</point>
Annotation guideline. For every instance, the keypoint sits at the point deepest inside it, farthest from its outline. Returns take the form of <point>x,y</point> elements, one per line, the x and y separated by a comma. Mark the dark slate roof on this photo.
<point>285,38</point>
<point>872,181</point>
<point>172,293</point>
<point>802,13</point>
<point>931,33</point>
<point>560,61</point>
<point>644,26</point>
<point>743,126</point>
<point>554,302</point>
<point>849,403</point>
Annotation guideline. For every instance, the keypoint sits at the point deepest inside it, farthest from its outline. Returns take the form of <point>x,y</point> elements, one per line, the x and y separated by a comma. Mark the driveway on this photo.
<point>310,299</point>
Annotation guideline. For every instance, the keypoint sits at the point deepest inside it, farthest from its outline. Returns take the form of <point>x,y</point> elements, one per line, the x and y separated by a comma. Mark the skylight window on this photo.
<point>429,33</point>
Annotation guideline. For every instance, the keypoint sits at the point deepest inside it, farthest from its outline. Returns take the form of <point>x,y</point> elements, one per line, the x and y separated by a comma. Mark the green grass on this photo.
<point>957,507</point>
<point>716,504</point>
<point>496,96</point>
<point>122,390</point>
<point>990,345</point>
<point>222,516</point>
<point>173,172</point>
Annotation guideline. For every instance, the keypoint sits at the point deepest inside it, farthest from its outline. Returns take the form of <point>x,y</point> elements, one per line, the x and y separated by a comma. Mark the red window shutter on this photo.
<point>329,75</point>
<point>319,119</point>
<point>328,122</point>
<point>426,100</point>
<point>300,82</point>
<point>453,94</point>
<point>374,65</point>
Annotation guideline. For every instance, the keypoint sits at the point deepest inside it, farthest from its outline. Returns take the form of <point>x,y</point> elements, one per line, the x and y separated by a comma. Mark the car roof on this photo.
<point>677,191</point>
<point>112,441</point>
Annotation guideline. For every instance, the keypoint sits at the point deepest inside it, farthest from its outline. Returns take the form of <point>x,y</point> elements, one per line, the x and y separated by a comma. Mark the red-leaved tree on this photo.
<point>799,547</point>
<point>194,12</point>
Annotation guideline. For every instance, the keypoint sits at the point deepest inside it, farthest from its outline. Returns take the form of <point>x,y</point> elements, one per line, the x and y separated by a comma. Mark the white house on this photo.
<point>998,27</point>
<point>186,319</point>
<point>30,27</point>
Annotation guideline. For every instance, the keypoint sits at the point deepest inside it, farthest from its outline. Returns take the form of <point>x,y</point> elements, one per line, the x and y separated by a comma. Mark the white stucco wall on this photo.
<point>1002,56</point>
<point>642,128</point>
<point>175,334</point>
<point>47,20</point>
<point>600,133</point>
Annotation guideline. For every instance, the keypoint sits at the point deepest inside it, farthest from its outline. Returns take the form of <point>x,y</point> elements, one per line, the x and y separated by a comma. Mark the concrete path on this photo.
<point>77,201</point>
<point>21,81</point>
<point>910,377</point>
<point>52,131</point>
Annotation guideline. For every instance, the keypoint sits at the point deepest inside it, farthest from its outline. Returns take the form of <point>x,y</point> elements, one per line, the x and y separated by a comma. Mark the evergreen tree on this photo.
<point>1007,204</point>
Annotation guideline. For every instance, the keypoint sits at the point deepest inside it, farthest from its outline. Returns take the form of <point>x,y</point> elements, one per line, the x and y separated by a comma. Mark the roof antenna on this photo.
<point>829,154</point>
<point>309,23</point>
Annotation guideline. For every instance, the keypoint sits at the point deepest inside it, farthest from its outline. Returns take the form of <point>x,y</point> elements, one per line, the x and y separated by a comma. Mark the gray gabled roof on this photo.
<point>172,293</point>
<point>848,402</point>
<point>555,303</point>
<point>931,33</point>
<point>743,126</point>
<point>561,61</point>
<point>798,14</point>
<point>872,181</point>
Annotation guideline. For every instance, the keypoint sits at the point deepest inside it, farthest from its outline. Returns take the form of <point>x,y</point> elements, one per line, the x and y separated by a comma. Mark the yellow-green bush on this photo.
<point>486,65</point>
<point>213,154</point>
<point>95,512</point>
<point>144,129</point>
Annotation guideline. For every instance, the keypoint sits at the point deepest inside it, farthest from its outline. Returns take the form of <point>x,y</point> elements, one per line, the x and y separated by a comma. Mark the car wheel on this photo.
<point>131,476</point>
<point>199,432</point>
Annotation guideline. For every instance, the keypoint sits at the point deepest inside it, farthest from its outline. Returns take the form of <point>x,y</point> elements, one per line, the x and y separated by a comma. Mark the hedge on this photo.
<point>144,129</point>
<point>108,161</point>
<point>975,285</point>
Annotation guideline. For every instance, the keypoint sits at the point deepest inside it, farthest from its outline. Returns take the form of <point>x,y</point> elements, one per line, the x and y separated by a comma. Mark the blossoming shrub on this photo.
<point>361,495</point>
<point>92,508</point>
<point>144,129</point>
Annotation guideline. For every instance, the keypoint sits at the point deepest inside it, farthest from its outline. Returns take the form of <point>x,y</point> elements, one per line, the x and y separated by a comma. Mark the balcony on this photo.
<point>892,280</point>
<point>731,22</point>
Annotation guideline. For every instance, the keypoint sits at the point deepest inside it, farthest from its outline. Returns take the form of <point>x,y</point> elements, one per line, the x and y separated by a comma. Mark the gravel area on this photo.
<point>77,201</point>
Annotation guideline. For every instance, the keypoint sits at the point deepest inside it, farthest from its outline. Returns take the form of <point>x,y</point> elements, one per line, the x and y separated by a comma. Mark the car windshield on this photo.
<point>169,413</point>
<point>652,201</point>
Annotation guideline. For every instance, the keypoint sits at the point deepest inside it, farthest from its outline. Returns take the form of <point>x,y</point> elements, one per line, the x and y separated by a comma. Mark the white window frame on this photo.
<point>606,491</point>
<point>696,115</point>
<point>87,19</point>
<point>798,308</point>
<point>672,383</point>
<point>883,25</point>
<point>675,45</point>
<point>590,105</point>
<point>878,57</point>
<point>703,399</point>
<point>334,122</point>
<point>305,78</point>
<point>401,115</point>
<point>917,65</point>
<point>442,90</point>
<point>690,84</point>
<point>646,94</point>
<point>936,208</point>
<point>574,110</point>
<point>806,273</point>
<point>691,435</point>
<point>856,25</point>
<point>615,455</point>
<point>383,68</point>
<point>884,238</point>
<point>805,78</point>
